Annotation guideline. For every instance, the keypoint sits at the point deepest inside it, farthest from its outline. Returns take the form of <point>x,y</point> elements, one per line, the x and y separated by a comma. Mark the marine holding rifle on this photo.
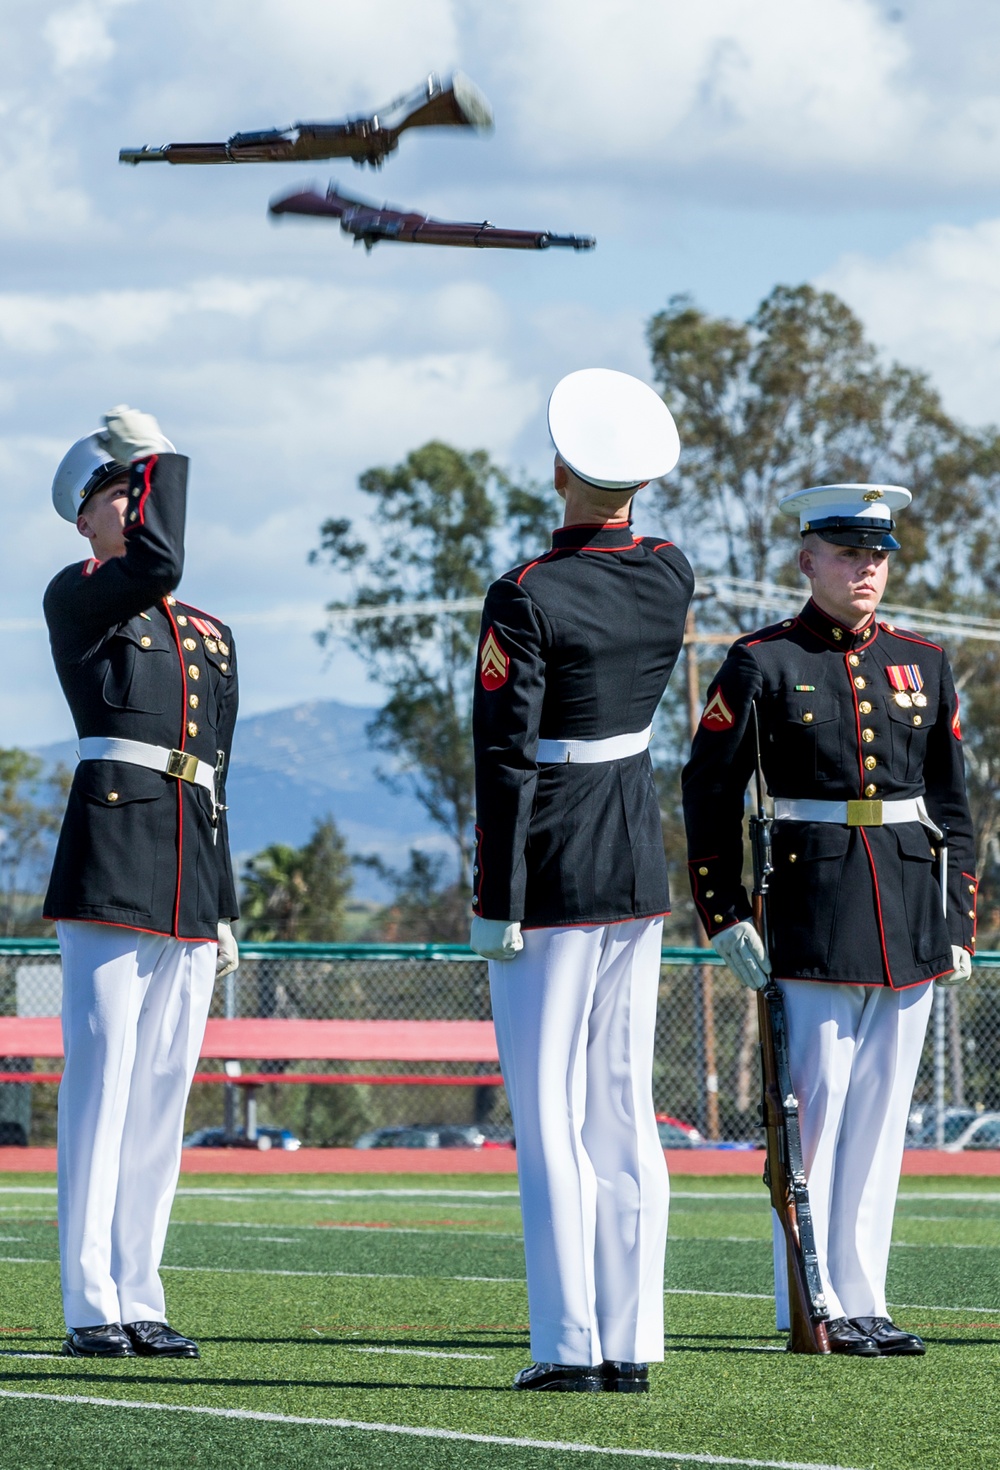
<point>873,892</point>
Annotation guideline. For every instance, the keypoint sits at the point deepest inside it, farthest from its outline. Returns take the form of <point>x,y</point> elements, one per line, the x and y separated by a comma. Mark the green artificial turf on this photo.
<point>399,1300</point>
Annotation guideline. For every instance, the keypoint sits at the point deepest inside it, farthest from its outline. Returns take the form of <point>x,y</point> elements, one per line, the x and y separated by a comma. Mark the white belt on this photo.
<point>855,813</point>
<point>177,763</point>
<point>589,752</point>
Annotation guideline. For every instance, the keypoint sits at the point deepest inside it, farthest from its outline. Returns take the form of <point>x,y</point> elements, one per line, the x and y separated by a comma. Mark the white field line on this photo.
<point>715,1196</point>
<point>420,1353</point>
<point>749,1296</point>
<point>259,1417</point>
<point>346,1225</point>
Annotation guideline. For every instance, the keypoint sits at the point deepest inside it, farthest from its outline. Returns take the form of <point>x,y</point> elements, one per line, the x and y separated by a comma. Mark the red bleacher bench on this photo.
<point>247,1039</point>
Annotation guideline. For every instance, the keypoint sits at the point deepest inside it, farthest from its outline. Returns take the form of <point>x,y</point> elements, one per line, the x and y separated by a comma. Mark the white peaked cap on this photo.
<point>849,515</point>
<point>611,429</point>
<point>84,468</point>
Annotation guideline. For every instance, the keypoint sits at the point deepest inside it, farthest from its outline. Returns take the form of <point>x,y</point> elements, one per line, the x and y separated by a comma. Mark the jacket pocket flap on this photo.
<point>914,841</point>
<point>810,841</point>
<point>116,783</point>
<point>809,708</point>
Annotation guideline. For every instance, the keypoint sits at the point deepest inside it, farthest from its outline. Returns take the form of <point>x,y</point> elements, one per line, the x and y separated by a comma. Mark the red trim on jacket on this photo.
<point>113,924</point>
<point>878,912</point>
<point>778,633</point>
<point>147,481</point>
<point>180,794</point>
<point>912,638</point>
<point>600,923</point>
<point>857,721</point>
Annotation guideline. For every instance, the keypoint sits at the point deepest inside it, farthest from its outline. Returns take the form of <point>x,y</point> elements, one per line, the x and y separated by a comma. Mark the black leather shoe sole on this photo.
<point>625,1377</point>
<point>570,1381</point>
<point>71,1350</point>
<point>900,1349</point>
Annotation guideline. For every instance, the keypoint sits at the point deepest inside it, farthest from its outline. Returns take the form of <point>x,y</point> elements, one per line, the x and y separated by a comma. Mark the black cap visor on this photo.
<point>866,535</point>
<point>102,476</point>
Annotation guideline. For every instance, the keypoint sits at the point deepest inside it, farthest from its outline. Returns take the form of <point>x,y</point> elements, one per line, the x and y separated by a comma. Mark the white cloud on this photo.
<point>79,35</point>
<point>935,304</point>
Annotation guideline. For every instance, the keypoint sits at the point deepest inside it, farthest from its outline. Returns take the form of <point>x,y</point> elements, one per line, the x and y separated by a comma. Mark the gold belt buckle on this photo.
<point>864,814</point>
<point>184,766</point>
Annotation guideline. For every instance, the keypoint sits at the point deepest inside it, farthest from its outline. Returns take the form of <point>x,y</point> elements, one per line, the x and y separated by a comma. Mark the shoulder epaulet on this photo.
<point>909,636</point>
<point>765,635</point>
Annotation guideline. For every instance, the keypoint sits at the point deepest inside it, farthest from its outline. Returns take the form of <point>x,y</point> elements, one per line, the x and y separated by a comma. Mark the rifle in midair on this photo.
<point>784,1172</point>
<point>454,103</point>
<point>370,223</point>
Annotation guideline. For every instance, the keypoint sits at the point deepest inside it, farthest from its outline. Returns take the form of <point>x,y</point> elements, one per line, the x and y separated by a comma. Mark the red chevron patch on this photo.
<point>717,715</point>
<point>494,665</point>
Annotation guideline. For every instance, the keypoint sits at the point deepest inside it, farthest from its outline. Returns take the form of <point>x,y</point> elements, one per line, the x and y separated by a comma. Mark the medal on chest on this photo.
<point>908,683</point>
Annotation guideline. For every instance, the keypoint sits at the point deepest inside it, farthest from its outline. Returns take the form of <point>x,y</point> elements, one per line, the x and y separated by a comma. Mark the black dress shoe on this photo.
<point>560,1378</point>
<point>106,1340</point>
<point>625,1377</point>
<point>891,1341</point>
<point>157,1340</point>
<point>849,1337</point>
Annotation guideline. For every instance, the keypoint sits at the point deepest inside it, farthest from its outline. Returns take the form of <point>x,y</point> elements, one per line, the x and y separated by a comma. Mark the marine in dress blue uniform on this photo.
<point>861,752</point>
<point>571,885</point>
<point>142,887</point>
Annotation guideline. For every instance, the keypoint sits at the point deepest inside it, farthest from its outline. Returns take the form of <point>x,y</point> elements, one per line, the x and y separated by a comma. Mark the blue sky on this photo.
<point>716,149</point>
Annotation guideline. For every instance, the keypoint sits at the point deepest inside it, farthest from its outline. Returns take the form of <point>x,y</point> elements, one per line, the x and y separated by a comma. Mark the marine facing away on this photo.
<point>142,887</point>
<point>571,885</point>
<point>861,751</point>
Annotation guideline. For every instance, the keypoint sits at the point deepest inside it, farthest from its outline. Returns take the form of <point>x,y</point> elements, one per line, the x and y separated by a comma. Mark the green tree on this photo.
<point>298,893</point>
<point>798,396</point>
<point>447,523</point>
<point>31,808</point>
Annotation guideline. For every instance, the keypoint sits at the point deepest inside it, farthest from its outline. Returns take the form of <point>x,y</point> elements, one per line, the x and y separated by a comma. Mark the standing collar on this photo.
<point>835,633</point>
<point>613,536</point>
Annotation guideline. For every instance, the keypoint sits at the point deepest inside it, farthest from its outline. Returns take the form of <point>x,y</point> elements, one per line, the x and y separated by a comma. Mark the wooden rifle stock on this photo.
<point>784,1176</point>
<point>784,1172</point>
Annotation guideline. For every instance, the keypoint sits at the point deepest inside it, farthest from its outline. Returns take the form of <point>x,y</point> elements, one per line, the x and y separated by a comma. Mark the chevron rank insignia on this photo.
<point>717,715</point>
<point>493,663</point>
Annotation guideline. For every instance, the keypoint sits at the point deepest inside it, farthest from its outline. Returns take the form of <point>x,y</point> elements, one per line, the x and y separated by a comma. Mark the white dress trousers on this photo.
<point>133,1017</point>
<point>854,1051</point>
<point>575,1014</point>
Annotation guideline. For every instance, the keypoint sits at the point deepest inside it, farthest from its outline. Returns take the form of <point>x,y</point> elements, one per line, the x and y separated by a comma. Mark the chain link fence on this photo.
<point>705,1074</point>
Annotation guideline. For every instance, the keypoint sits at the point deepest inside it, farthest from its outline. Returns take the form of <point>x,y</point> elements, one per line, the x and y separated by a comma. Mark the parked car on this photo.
<point>675,1133</point>
<point>921,1130</point>
<point>267,1137</point>
<point>983,1132</point>
<point>443,1135</point>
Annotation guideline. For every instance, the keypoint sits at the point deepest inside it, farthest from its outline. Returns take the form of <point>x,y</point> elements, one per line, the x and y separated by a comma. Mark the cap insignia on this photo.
<point>872,495</point>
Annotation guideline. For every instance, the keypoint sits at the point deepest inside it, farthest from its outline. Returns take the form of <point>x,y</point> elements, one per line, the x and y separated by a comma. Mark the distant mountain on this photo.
<point>294,766</point>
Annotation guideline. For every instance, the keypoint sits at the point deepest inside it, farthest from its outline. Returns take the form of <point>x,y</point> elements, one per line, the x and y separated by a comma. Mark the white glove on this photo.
<point>133,435</point>
<point>496,939</point>
<point>229,955</point>
<point>743,951</point>
<point>961,961</point>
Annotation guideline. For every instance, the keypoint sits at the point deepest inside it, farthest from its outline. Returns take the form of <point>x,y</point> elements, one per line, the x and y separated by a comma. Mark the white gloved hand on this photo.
<point>133,435</point>
<point>229,955</point>
<point>961,969</point>
<point>743,951</point>
<point>496,939</point>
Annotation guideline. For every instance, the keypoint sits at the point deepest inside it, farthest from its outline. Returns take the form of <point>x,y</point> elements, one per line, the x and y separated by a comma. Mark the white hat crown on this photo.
<point>611,429</point>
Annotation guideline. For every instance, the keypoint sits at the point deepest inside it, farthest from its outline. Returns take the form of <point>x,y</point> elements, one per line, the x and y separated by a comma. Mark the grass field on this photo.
<point>344,1320</point>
